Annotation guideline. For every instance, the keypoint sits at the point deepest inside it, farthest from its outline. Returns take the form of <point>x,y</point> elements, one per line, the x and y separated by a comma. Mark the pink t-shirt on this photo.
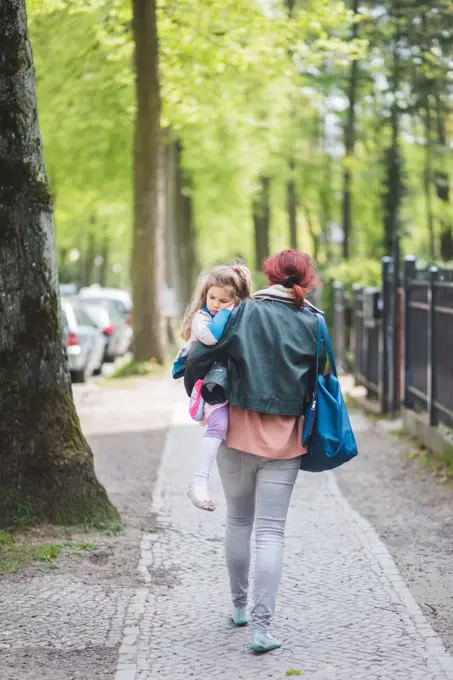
<point>270,436</point>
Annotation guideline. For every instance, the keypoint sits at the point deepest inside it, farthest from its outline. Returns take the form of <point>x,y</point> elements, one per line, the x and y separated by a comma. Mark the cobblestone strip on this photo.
<point>437,658</point>
<point>344,612</point>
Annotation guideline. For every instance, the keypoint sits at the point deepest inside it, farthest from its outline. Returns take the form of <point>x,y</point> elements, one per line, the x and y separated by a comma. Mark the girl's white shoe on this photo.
<point>198,494</point>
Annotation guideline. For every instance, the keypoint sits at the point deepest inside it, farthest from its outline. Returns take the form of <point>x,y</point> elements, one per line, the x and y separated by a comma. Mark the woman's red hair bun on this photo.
<point>292,269</point>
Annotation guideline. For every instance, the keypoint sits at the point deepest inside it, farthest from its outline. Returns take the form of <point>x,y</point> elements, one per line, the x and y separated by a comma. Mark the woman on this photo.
<point>269,347</point>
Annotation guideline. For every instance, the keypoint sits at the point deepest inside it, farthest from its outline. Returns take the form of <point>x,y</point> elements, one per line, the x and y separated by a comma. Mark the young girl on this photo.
<point>205,321</point>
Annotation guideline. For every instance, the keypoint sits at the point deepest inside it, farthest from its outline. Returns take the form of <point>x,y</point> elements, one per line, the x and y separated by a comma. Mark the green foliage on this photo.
<point>364,273</point>
<point>246,89</point>
<point>231,81</point>
<point>355,272</point>
<point>134,369</point>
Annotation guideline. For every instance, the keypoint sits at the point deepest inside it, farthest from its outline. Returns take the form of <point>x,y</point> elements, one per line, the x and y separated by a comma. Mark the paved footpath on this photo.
<point>344,612</point>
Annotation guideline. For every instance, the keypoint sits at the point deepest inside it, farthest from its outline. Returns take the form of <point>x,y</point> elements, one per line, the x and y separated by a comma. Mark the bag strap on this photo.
<point>323,334</point>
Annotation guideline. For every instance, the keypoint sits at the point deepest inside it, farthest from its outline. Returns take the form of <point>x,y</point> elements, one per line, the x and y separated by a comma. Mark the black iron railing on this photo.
<point>428,364</point>
<point>401,338</point>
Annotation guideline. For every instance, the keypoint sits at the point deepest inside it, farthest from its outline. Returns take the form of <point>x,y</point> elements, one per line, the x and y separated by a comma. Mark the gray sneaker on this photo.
<point>263,642</point>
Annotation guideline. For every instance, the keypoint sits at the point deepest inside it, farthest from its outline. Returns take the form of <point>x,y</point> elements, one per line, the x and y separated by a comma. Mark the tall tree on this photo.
<point>393,181</point>
<point>291,205</point>
<point>148,258</point>
<point>349,138</point>
<point>442,182</point>
<point>291,196</point>
<point>261,221</point>
<point>428,180</point>
<point>46,466</point>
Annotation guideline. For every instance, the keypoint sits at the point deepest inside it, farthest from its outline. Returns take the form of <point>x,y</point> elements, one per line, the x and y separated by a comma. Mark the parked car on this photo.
<point>85,344</point>
<point>120,299</point>
<point>68,289</point>
<point>109,321</point>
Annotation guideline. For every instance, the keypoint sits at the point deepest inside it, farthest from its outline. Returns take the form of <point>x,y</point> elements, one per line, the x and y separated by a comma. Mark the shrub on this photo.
<point>349,273</point>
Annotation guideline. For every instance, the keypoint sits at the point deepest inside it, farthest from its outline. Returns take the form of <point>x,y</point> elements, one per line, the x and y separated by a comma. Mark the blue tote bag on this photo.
<point>327,429</point>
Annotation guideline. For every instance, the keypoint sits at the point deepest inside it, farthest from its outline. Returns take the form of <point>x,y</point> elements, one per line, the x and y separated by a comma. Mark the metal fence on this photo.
<point>400,338</point>
<point>366,339</point>
<point>428,364</point>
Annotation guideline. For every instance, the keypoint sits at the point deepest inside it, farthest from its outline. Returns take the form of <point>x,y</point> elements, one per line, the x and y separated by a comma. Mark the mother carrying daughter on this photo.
<point>204,321</point>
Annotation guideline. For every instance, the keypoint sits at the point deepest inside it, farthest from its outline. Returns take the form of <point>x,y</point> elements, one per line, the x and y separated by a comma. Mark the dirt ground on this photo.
<point>125,424</point>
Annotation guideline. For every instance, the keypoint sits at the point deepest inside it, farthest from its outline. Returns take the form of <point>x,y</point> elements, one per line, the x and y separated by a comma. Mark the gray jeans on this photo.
<point>257,490</point>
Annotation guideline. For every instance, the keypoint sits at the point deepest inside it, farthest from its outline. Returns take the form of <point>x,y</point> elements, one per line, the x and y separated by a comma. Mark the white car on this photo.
<point>85,344</point>
<point>121,299</point>
<point>110,322</point>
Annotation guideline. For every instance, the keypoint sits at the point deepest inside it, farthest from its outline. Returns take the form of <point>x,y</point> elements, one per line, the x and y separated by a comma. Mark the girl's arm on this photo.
<point>210,332</point>
<point>201,357</point>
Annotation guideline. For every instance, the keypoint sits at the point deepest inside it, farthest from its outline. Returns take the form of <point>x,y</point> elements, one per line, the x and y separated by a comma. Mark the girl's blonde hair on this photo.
<point>236,278</point>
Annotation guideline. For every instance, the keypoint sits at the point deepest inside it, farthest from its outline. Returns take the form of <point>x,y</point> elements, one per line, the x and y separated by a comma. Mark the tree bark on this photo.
<point>261,222</point>
<point>442,182</point>
<point>148,259</point>
<point>349,142</point>
<point>46,466</point>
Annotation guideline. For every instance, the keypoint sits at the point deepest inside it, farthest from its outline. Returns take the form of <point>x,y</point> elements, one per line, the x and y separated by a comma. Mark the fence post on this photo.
<point>410,265</point>
<point>432,413</point>
<point>339,323</point>
<point>356,344</point>
<point>386,359</point>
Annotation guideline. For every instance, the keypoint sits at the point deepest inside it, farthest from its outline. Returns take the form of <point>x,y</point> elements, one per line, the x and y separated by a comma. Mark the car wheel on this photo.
<point>79,376</point>
<point>97,371</point>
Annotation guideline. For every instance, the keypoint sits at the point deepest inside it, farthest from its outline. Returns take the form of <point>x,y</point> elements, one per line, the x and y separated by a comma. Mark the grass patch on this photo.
<point>18,553</point>
<point>439,463</point>
<point>292,671</point>
<point>112,527</point>
<point>5,539</point>
<point>401,433</point>
<point>134,369</point>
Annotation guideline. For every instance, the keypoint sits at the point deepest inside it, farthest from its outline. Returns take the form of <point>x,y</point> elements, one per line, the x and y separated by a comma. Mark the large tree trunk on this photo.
<point>46,466</point>
<point>148,258</point>
<point>261,222</point>
<point>349,142</point>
